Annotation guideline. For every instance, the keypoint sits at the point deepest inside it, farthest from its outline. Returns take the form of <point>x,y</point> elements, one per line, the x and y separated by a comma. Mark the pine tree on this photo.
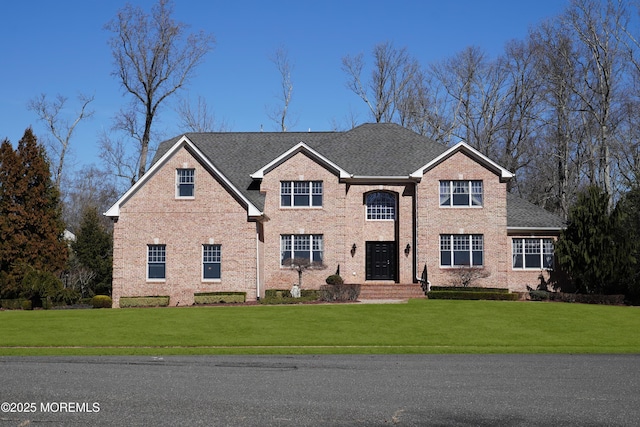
<point>93,251</point>
<point>31,228</point>
<point>595,249</point>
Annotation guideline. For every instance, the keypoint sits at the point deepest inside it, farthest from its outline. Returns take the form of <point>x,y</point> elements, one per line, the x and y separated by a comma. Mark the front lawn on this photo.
<point>421,326</point>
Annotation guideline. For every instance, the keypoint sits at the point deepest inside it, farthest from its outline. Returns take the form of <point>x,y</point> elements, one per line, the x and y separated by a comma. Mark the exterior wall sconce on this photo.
<point>353,250</point>
<point>407,249</point>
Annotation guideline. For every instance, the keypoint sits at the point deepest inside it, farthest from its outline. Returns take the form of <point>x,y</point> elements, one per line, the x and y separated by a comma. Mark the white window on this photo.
<point>185,179</point>
<point>211,262</point>
<point>301,247</point>
<point>461,250</point>
<point>156,262</point>
<point>301,193</point>
<point>532,253</point>
<point>381,205</point>
<point>461,193</point>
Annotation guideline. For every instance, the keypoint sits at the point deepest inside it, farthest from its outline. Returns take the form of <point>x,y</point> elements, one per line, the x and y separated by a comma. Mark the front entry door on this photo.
<point>381,261</point>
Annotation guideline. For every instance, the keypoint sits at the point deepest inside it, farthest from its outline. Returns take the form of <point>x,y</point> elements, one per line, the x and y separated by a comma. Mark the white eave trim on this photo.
<point>300,147</point>
<point>375,179</point>
<point>531,230</point>
<point>505,175</point>
<point>252,210</point>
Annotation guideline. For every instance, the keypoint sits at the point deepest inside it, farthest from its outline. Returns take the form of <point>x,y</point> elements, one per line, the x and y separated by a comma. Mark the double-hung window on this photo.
<point>381,205</point>
<point>156,262</point>
<point>301,247</point>
<point>461,250</point>
<point>211,262</point>
<point>301,193</point>
<point>532,253</point>
<point>461,193</point>
<point>185,183</point>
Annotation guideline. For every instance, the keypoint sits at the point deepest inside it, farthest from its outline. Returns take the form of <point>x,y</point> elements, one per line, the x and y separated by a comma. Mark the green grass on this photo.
<point>421,326</point>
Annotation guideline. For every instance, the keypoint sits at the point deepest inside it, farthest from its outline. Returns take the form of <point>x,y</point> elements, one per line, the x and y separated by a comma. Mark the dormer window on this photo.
<point>185,183</point>
<point>301,193</point>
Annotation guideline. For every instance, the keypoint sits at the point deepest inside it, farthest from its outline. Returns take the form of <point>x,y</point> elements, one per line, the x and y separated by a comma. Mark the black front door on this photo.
<point>381,261</point>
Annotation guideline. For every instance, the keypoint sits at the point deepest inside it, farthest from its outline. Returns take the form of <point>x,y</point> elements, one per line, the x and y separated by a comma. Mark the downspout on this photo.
<point>257,261</point>
<point>415,233</point>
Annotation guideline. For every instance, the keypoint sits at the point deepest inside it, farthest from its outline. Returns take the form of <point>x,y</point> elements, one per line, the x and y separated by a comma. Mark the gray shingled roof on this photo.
<point>524,214</point>
<point>381,149</point>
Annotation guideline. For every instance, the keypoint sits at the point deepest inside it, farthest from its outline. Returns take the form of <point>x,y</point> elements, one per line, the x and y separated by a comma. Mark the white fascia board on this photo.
<point>466,148</point>
<point>114,211</point>
<point>534,230</point>
<point>381,179</point>
<point>300,147</point>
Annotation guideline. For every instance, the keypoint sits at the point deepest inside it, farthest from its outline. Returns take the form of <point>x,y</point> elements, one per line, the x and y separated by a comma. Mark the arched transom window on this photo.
<point>381,205</point>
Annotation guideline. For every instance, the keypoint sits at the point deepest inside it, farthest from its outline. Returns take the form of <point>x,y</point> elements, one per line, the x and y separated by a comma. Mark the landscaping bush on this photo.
<point>27,305</point>
<point>469,289</point>
<point>339,292</point>
<point>283,296</point>
<point>12,304</point>
<point>334,279</point>
<point>472,295</point>
<point>153,301</point>
<point>101,301</point>
<point>536,295</point>
<point>219,297</point>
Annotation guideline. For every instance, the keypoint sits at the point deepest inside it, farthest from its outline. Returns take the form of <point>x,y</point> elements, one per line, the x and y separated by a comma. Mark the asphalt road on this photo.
<point>458,390</point>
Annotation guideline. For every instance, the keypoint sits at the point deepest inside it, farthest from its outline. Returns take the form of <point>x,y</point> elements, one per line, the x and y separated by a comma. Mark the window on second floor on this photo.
<point>301,193</point>
<point>381,205</point>
<point>461,193</point>
<point>185,181</point>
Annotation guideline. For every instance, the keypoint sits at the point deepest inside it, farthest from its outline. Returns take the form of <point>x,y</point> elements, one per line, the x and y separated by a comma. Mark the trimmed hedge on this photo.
<point>155,301</point>
<point>219,297</point>
<point>13,304</point>
<point>339,292</point>
<point>101,301</point>
<point>283,296</point>
<point>469,289</point>
<point>472,295</point>
<point>578,298</point>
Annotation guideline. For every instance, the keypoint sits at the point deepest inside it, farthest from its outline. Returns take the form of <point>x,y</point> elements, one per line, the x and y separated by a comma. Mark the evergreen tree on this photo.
<point>629,206</point>
<point>93,251</point>
<point>595,249</point>
<point>31,228</point>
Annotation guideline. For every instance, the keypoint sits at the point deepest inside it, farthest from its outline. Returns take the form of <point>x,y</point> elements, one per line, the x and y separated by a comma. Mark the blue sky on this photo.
<point>61,48</point>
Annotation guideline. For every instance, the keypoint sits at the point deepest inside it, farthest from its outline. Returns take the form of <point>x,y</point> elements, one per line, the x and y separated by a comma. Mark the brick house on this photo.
<point>379,203</point>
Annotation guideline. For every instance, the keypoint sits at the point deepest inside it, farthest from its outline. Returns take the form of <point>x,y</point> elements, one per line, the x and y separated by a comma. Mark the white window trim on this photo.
<point>523,254</point>
<point>395,207</point>
<point>292,245</point>
<point>214,280</point>
<point>451,252</point>
<point>156,279</point>
<point>292,195</point>
<point>451,193</point>
<point>178,196</point>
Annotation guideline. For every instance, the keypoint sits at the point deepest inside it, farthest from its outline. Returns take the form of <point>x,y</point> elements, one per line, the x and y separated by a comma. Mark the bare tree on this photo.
<point>50,113</point>
<point>392,72</point>
<point>199,118</point>
<point>597,26</point>
<point>153,59</point>
<point>280,113</point>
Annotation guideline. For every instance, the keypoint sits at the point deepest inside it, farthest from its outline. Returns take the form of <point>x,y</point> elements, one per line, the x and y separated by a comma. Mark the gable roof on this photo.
<point>524,216</point>
<point>369,150</point>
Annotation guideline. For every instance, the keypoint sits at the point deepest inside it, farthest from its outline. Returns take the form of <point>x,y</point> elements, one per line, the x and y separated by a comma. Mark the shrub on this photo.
<point>283,296</point>
<point>101,301</point>
<point>12,304</point>
<point>152,301</point>
<point>472,295</point>
<point>339,292</point>
<point>219,297</point>
<point>334,279</point>
<point>67,296</point>
<point>26,305</point>
<point>469,289</point>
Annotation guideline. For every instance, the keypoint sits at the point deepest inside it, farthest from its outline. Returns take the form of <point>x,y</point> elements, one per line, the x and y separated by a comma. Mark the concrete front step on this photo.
<point>391,291</point>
